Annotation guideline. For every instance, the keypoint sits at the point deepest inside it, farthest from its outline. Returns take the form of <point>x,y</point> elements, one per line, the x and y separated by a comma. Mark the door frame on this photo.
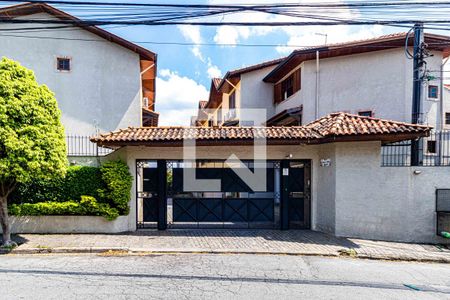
<point>284,193</point>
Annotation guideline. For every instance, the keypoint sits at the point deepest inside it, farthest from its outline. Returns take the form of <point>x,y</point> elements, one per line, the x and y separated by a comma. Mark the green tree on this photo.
<point>32,141</point>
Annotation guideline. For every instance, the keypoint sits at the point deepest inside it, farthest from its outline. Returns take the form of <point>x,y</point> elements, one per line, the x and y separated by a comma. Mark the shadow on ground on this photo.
<point>289,236</point>
<point>16,238</point>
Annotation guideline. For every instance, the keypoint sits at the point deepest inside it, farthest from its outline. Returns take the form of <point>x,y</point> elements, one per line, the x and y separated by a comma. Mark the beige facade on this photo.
<point>353,197</point>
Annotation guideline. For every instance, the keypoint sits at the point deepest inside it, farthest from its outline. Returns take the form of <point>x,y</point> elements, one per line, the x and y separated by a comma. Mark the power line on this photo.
<point>201,44</point>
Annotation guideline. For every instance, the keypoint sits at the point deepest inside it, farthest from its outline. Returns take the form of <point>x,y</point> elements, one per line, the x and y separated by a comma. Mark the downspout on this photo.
<point>441,113</point>
<point>441,97</point>
<point>317,86</point>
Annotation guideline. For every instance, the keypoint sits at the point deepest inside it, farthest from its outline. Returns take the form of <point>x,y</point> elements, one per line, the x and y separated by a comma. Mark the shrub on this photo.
<point>86,206</point>
<point>79,180</point>
<point>118,182</point>
<point>110,185</point>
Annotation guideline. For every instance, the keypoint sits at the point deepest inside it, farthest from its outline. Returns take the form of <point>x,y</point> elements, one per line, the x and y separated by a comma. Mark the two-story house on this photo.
<point>370,77</point>
<point>102,82</point>
<point>325,173</point>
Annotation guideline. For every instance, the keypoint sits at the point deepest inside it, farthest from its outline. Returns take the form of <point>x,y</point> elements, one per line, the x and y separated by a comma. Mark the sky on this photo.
<point>185,71</point>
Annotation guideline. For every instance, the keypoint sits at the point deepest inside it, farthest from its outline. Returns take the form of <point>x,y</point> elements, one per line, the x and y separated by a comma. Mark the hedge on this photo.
<point>118,181</point>
<point>86,206</point>
<point>79,181</point>
<point>109,186</point>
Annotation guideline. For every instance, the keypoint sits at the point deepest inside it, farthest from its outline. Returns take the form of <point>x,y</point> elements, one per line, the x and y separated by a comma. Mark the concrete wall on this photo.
<point>67,224</point>
<point>353,197</point>
<point>326,191</point>
<point>103,89</point>
<point>385,203</point>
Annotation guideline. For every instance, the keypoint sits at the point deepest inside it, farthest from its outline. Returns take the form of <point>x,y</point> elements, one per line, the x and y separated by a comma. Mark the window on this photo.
<point>432,91</point>
<point>431,146</point>
<point>63,64</point>
<point>287,87</point>
<point>365,113</point>
<point>447,118</point>
<point>232,100</point>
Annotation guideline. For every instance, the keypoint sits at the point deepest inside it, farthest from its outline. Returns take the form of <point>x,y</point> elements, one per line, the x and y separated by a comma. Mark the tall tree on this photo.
<point>32,141</point>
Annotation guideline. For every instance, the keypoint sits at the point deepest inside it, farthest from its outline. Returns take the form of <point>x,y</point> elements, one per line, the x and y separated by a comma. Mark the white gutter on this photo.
<point>317,86</point>
<point>441,97</point>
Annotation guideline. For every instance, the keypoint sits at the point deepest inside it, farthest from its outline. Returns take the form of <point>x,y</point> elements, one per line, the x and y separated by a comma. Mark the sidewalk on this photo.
<point>293,242</point>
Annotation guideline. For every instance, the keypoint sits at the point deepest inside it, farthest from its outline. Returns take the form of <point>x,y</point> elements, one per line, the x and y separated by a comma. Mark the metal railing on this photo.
<point>434,151</point>
<point>78,145</point>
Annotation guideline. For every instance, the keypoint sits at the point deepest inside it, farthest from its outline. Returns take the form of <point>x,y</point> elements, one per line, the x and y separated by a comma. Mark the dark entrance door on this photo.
<point>296,195</point>
<point>151,196</point>
<point>236,205</point>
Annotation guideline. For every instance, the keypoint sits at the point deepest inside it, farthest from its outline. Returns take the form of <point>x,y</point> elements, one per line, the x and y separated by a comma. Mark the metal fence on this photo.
<point>433,151</point>
<point>78,145</point>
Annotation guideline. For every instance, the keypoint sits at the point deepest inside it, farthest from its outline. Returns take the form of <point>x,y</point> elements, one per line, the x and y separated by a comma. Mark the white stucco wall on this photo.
<point>385,203</point>
<point>103,89</point>
<point>380,81</point>
<point>255,93</point>
<point>353,197</point>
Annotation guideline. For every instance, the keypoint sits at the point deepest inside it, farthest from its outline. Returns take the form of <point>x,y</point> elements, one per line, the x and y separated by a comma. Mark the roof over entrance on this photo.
<point>336,127</point>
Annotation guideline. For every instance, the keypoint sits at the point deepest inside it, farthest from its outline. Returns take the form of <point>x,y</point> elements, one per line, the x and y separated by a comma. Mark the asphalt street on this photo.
<point>199,276</point>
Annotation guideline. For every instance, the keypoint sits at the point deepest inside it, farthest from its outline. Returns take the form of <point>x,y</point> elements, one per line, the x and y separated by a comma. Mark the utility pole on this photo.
<point>418,63</point>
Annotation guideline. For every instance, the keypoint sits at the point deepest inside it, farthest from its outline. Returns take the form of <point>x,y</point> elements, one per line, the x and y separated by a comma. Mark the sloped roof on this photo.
<point>389,41</point>
<point>344,124</point>
<point>333,127</point>
<point>11,12</point>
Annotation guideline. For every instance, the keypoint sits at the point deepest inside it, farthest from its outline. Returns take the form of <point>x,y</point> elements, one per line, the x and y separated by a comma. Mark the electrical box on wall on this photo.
<point>325,162</point>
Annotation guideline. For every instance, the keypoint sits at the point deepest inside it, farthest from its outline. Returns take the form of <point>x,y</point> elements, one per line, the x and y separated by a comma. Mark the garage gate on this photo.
<point>162,201</point>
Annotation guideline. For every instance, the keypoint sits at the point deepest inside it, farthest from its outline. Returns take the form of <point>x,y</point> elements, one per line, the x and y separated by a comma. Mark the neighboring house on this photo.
<point>101,81</point>
<point>370,77</point>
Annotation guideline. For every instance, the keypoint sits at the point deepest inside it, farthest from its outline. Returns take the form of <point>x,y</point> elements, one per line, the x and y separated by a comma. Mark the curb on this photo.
<point>116,251</point>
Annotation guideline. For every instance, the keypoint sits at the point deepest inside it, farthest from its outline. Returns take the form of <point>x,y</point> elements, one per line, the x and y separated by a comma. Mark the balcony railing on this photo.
<point>434,151</point>
<point>78,145</point>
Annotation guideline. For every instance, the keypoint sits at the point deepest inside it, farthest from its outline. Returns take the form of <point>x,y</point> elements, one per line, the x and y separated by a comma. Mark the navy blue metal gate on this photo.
<point>235,205</point>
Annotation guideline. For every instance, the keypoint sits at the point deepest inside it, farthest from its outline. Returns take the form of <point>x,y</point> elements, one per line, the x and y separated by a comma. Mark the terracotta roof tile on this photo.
<point>331,126</point>
<point>344,124</point>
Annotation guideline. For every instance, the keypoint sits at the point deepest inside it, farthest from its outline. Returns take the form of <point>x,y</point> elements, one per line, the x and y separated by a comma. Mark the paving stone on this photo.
<point>295,242</point>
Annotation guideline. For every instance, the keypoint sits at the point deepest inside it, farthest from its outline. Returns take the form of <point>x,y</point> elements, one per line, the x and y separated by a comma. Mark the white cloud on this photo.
<point>231,35</point>
<point>297,36</point>
<point>213,71</point>
<point>192,34</point>
<point>310,36</point>
<point>177,98</point>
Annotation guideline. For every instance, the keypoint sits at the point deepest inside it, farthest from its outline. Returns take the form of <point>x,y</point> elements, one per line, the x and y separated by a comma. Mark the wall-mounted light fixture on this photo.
<point>417,172</point>
<point>289,156</point>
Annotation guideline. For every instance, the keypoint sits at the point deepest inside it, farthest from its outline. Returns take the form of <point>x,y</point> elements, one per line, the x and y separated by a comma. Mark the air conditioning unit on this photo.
<point>145,102</point>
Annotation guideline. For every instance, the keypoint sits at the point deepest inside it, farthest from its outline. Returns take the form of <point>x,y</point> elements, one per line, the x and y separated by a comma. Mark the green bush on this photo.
<point>118,182</point>
<point>87,206</point>
<point>108,185</point>
<point>79,181</point>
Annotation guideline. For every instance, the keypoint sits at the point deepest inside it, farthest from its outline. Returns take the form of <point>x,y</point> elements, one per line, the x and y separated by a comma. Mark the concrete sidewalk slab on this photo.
<point>293,242</point>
